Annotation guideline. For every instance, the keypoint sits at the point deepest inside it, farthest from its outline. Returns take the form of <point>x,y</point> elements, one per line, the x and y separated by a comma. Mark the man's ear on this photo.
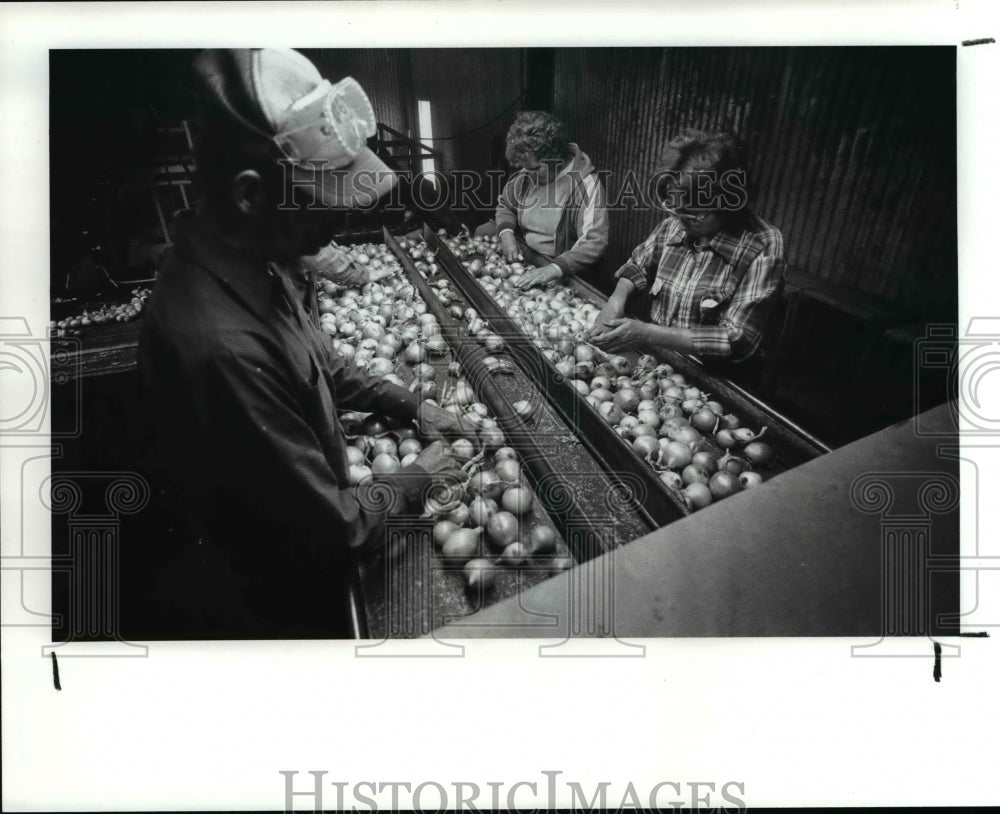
<point>248,192</point>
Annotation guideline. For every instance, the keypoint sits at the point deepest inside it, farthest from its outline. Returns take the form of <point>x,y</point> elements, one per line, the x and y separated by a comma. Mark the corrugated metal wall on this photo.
<point>382,72</point>
<point>468,88</point>
<point>473,94</point>
<point>852,148</point>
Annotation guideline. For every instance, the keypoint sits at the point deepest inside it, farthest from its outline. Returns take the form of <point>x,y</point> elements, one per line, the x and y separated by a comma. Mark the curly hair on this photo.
<point>538,135</point>
<point>721,157</point>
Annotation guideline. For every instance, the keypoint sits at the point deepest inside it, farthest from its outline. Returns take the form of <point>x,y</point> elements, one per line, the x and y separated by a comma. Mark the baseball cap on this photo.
<point>321,128</point>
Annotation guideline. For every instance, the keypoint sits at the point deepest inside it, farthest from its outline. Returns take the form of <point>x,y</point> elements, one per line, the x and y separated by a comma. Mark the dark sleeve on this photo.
<point>264,450</point>
<point>356,390</point>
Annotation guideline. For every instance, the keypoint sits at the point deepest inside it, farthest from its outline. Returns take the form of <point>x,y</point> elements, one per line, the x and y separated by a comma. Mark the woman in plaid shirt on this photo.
<point>707,275</point>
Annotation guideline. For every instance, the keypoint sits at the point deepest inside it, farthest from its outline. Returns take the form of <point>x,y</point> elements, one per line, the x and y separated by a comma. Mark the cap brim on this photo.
<point>357,186</point>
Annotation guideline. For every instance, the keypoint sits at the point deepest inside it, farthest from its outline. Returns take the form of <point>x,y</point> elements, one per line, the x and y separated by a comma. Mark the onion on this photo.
<point>692,405</point>
<point>523,408</point>
<point>694,474</point>
<point>704,420</point>
<point>725,439</point>
<point>463,393</point>
<point>436,345</point>
<point>627,399</point>
<point>480,574</point>
<point>380,366</point>
<point>351,423</point>
<point>373,425</point>
<point>758,453</point>
<point>355,457</point>
<point>672,480</point>
<point>517,500</point>
<point>723,484</point>
<point>732,463</point>
<point>729,421</point>
<point>443,529</point>
<point>462,544</point>
<point>459,515</point>
<point>645,445</point>
<point>620,364</point>
<point>565,368</point>
<point>409,446</point>
<point>508,470</point>
<point>514,554</point>
<point>688,435</point>
<point>502,529</point>
<point>485,484</point>
<point>481,509</point>
<point>505,453</point>
<point>385,464</point>
<point>491,437</point>
<point>610,412</point>
<point>650,418</point>
<point>750,479</point>
<point>384,446</point>
<point>463,449</point>
<point>705,460</point>
<point>414,353</point>
<point>675,455</point>
<point>542,540</point>
<point>358,474</point>
<point>699,494</point>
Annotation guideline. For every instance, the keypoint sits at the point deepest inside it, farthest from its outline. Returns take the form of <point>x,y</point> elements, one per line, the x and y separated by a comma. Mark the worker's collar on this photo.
<point>722,242</point>
<point>249,277</point>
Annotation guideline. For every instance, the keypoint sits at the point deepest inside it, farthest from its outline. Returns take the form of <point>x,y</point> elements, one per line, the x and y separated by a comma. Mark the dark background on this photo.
<point>853,147</point>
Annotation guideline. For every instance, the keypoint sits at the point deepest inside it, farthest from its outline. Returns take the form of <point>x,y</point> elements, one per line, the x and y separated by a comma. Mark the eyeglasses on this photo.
<point>692,217</point>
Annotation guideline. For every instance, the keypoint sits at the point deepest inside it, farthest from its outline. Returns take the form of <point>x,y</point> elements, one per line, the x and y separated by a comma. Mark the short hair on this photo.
<point>695,153</point>
<point>537,134</point>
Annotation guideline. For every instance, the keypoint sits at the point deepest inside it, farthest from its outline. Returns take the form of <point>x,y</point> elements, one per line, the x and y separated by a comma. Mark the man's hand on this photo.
<point>436,458</point>
<point>508,246</point>
<point>436,422</point>
<point>546,274</point>
<point>380,273</point>
<point>621,335</point>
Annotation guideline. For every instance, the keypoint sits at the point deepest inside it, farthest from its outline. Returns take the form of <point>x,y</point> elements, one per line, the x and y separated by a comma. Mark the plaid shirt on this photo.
<point>740,272</point>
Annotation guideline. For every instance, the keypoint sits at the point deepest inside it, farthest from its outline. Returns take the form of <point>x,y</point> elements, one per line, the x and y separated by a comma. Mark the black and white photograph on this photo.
<point>558,306</point>
<point>527,369</point>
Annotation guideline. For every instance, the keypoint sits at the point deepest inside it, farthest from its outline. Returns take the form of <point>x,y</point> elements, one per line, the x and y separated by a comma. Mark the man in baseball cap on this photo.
<point>278,97</point>
<point>243,387</point>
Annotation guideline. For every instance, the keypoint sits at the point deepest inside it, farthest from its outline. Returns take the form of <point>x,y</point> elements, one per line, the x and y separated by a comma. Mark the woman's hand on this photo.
<point>611,311</point>
<point>509,247</point>
<point>546,274</point>
<point>620,335</point>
